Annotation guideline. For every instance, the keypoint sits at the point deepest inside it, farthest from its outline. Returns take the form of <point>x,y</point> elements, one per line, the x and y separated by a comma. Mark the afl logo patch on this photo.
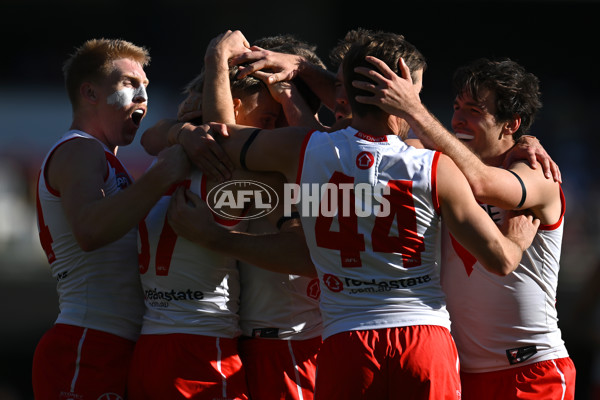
<point>365,160</point>
<point>333,283</point>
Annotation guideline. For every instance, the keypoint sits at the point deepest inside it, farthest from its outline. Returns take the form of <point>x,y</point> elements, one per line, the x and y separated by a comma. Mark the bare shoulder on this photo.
<point>75,158</point>
<point>540,195</point>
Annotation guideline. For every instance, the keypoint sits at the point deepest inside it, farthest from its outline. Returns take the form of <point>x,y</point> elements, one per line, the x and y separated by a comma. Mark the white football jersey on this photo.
<point>275,305</point>
<point>371,218</point>
<point>504,322</point>
<point>98,289</point>
<point>187,288</point>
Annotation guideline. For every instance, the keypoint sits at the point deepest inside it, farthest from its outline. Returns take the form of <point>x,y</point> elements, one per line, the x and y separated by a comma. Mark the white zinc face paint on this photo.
<point>122,98</point>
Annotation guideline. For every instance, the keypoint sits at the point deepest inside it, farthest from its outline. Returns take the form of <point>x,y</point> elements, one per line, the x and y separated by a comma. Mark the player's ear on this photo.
<point>88,92</point>
<point>237,102</point>
<point>512,125</point>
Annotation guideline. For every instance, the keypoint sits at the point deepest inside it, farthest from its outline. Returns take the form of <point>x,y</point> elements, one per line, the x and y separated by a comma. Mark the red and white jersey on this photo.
<point>98,289</point>
<point>187,288</point>
<point>275,305</point>
<point>504,322</point>
<point>375,242</point>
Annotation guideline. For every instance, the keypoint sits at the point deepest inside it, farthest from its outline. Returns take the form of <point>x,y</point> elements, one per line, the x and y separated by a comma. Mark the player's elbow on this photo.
<point>505,269</point>
<point>88,240</point>
<point>479,188</point>
<point>88,245</point>
<point>503,266</point>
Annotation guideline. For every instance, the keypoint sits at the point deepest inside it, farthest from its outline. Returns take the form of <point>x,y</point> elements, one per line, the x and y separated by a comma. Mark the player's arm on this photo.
<point>95,219</point>
<point>519,187</point>
<point>273,67</point>
<point>491,185</point>
<point>254,149</point>
<point>297,112</point>
<point>285,251</point>
<point>499,252</point>
<point>529,148</point>
<point>216,97</point>
<point>155,138</point>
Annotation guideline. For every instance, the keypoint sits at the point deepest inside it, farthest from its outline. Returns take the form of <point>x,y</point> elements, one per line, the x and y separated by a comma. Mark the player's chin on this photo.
<point>128,136</point>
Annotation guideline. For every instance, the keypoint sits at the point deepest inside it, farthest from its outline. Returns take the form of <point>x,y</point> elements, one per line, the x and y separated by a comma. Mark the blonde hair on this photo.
<point>92,61</point>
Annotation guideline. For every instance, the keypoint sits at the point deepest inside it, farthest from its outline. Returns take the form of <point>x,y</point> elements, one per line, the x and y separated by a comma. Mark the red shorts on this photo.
<point>71,362</point>
<point>548,380</point>
<point>280,369</point>
<point>182,366</point>
<point>413,362</point>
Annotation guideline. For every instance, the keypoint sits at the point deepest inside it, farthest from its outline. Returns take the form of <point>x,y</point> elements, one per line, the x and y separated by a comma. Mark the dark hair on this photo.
<point>389,48</point>
<point>358,35</point>
<point>289,44</point>
<point>517,91</point>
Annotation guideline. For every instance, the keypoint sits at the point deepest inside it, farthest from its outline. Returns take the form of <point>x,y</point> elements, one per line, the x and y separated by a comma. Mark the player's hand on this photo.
<point>174,164</point>
<point>191,108</point>
<point>529,148</point>
<point>394,94</point>
<point>190,217</point>
<point>521,227</point>
<point>275,66</point>
<point>226,46</point>
<point>204,151</point>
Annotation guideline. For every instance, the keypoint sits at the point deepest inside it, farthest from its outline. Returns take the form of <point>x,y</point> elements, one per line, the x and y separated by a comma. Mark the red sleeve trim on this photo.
<point>43,230</point>
<point>119,168</point>
<point>434,193</point>
<point>562,214</point>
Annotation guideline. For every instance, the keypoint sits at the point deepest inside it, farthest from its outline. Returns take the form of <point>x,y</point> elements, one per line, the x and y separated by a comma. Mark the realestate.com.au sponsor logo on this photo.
<point>248,199</point>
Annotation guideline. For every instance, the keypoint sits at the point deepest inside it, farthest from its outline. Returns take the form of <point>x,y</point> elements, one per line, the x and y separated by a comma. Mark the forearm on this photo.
<point>155,138</point>
<point>320,81</point>
<point>283,252</point>
<point>109,218</point>
<point>506,255</point>
<point>433,135</point>
<point>296,111</point>
<point>217,103</point>
<point>472,227</point>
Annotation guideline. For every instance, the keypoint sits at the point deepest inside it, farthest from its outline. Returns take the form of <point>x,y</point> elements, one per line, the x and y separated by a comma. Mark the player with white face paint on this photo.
<point>88,210</point>
<point>122,98</point>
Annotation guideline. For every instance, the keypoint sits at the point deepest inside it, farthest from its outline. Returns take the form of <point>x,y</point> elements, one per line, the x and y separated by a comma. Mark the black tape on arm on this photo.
<point>523,190</point>
<point>246,147</point>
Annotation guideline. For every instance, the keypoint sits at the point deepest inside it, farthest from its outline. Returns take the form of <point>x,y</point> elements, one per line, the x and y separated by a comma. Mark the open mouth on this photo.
<point>137,116</point>
<point>464,136</point>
